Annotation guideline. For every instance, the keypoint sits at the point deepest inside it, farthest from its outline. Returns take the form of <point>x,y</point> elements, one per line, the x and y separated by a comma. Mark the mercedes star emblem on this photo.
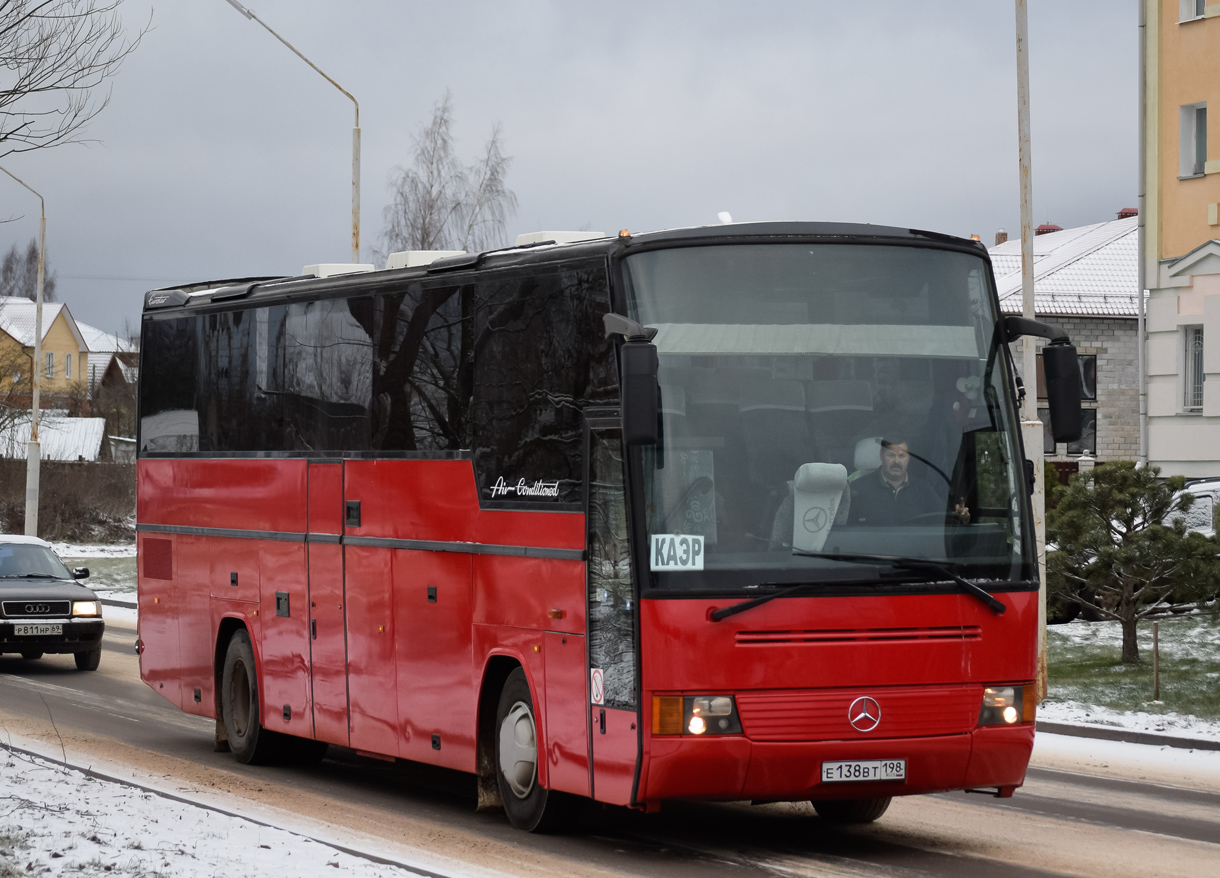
<point>864,714</point>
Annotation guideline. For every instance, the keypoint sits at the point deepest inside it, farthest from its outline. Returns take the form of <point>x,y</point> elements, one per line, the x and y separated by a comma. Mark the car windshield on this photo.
<point>825,399</point>
<point>30,561</point>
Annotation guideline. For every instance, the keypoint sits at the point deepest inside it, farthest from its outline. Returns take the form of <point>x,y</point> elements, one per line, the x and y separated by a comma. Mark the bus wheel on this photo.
<point>851,810</point>
<point>249,742</point>
<point>528,805</point>
<point>30,655</point>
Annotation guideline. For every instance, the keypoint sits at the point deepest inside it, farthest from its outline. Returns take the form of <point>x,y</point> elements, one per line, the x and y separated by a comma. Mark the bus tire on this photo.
<point>851,810</point>
<point>88,660</point>
<point>31,655</point>
<point>248,741</point>
<point>528,805</point>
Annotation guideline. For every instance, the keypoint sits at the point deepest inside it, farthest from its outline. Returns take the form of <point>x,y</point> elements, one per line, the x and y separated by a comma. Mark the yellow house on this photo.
<point>1180,222</point>
<point>65,356</point>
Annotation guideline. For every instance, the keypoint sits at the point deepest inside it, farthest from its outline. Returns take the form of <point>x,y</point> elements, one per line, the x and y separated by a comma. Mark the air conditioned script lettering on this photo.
<point>539,489</point>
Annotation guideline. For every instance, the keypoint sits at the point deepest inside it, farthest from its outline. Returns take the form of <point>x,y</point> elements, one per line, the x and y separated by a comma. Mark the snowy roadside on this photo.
<point>1091,716</point>
<point>62,821</point>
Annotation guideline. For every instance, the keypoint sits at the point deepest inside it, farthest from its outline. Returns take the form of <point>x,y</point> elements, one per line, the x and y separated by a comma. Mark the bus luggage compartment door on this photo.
<point>328,646</point>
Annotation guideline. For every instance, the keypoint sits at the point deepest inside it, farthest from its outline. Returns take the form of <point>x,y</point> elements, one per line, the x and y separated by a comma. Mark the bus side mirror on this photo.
<point>639,391</point>
<point>1063,392</point>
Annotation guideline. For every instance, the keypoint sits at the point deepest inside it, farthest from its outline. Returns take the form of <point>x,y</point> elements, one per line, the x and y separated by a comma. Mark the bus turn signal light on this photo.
<point>667,715</point>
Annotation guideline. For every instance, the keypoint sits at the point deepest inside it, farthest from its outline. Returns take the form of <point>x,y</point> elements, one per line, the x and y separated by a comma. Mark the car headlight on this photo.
<point>695,715</point>
<point>1008,705</point>
<point>86,608</point>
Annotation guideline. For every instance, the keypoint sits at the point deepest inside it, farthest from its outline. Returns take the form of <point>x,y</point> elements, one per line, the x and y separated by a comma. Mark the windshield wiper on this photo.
<point>916,565</point>
<point>29,576</point>
<point>725,612</point>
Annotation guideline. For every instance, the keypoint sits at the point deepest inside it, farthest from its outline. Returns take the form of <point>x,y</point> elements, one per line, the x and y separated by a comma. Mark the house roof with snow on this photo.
<point>18,317</point>
<point>59,437</point>
<point>99,342</point>
<point>1090,271</point>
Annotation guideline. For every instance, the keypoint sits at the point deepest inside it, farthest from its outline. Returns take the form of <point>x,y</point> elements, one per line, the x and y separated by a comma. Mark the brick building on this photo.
<point>1085,279</point>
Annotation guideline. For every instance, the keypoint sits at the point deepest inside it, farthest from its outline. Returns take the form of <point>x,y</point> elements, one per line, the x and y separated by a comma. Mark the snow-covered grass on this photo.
<point>58,821</point>
<point>1087,673</point>
<point>112,568</point>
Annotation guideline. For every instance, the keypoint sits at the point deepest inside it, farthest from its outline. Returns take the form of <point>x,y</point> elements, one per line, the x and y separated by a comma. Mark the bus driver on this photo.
<point>889,496</point>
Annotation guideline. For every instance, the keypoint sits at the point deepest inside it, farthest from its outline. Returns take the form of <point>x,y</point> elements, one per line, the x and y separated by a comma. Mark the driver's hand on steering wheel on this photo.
<point>962,511</point>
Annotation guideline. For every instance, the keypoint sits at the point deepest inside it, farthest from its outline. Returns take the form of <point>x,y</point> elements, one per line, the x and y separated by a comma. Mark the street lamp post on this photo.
<point>355,131</point>
<point>32,452</point>
<point>1031,427</point>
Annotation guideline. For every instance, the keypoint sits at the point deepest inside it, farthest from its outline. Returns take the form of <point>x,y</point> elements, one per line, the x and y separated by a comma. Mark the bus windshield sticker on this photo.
<point>539,489</point>
<point>676,552</point>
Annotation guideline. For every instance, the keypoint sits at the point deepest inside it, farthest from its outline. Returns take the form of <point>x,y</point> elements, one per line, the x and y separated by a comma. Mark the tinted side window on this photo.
<point>168,418</point>
<point>423,369</point>
<point>540,358</point>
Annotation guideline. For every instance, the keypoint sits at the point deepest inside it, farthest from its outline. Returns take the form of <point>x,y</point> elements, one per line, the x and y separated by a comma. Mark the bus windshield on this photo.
<point>820,399</point>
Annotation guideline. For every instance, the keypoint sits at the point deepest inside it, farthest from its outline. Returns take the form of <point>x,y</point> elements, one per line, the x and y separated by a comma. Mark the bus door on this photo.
<point>328,646</point>
<point>613,618</point>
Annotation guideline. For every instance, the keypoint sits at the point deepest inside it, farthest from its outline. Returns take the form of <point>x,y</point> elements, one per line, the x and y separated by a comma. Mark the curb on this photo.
<point>1127,736</point>
<point>111,602</point>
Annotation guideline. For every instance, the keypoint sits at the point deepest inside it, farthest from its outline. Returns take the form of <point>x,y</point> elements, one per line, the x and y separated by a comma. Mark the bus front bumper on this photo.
<point>731,768</point>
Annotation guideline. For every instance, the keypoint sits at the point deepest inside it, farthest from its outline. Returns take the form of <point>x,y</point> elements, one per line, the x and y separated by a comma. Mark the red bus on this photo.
<point>729,513</point>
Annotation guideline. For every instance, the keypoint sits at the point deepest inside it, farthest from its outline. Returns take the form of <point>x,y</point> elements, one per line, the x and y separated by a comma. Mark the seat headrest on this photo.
<point>817,491</point>
<point>868,453</point>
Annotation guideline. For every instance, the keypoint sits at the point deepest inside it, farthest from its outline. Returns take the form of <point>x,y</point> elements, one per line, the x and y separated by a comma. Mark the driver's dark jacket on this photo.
<point>874,501</point>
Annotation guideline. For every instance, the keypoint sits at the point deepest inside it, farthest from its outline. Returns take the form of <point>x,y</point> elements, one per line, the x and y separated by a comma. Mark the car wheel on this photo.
<point>88,660</point>
<point>248,741</point>
<point>529,806</point>
<point>31,655</point>
<point>851,810</point>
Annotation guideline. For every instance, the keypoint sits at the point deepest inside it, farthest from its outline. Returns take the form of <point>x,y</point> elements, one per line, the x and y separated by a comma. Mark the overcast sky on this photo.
<point>222,154</point>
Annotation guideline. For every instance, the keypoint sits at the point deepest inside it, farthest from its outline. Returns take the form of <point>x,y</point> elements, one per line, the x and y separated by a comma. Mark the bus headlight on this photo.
<point>1007,705</point>
<point>695,715</point>
<point>86,608</point>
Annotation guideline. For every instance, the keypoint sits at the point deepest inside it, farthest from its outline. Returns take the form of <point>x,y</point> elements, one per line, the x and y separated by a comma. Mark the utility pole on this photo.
<point>1031,427</point>
<point>33,455</point>
<point>355,131</point>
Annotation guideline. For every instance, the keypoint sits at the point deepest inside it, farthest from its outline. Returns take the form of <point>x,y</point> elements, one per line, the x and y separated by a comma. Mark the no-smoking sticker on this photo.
<point>597,685</point>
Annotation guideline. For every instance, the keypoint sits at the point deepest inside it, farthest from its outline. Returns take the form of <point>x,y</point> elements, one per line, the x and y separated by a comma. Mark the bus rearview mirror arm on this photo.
<point>1061,367</point>
<point>638,378</point>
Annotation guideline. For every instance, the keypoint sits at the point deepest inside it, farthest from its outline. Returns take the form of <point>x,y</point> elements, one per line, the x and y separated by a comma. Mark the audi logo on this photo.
<point>36,609</point>
<point>864,714</point>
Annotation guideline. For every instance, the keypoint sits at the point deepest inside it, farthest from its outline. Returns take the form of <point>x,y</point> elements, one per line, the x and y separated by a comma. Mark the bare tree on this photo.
<point>441,204</point>
<point>54,57</point>
<point>19,274</point>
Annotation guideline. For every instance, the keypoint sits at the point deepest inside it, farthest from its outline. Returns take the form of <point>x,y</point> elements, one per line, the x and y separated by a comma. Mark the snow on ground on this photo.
<point>81,550</point>
<point>1175,766</point>
<point>58,821</point>
<point>1202,635</point>
<point>1091,715</point>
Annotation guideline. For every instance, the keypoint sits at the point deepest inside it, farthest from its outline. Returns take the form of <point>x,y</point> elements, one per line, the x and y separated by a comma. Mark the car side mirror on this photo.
<point>80,572</point>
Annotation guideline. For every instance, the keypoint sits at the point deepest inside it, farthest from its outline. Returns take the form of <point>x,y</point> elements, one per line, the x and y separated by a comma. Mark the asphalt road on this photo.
<point>1092,822</point>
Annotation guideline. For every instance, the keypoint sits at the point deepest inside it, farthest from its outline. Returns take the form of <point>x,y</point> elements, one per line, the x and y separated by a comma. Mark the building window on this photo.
<point>68,367</point>
<point>1192,139</point>
<point>1088,434</point>
<point>50,364</point>
<point>1189,10</point>
<point>1088,377</point>
<point>1193,397</point>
